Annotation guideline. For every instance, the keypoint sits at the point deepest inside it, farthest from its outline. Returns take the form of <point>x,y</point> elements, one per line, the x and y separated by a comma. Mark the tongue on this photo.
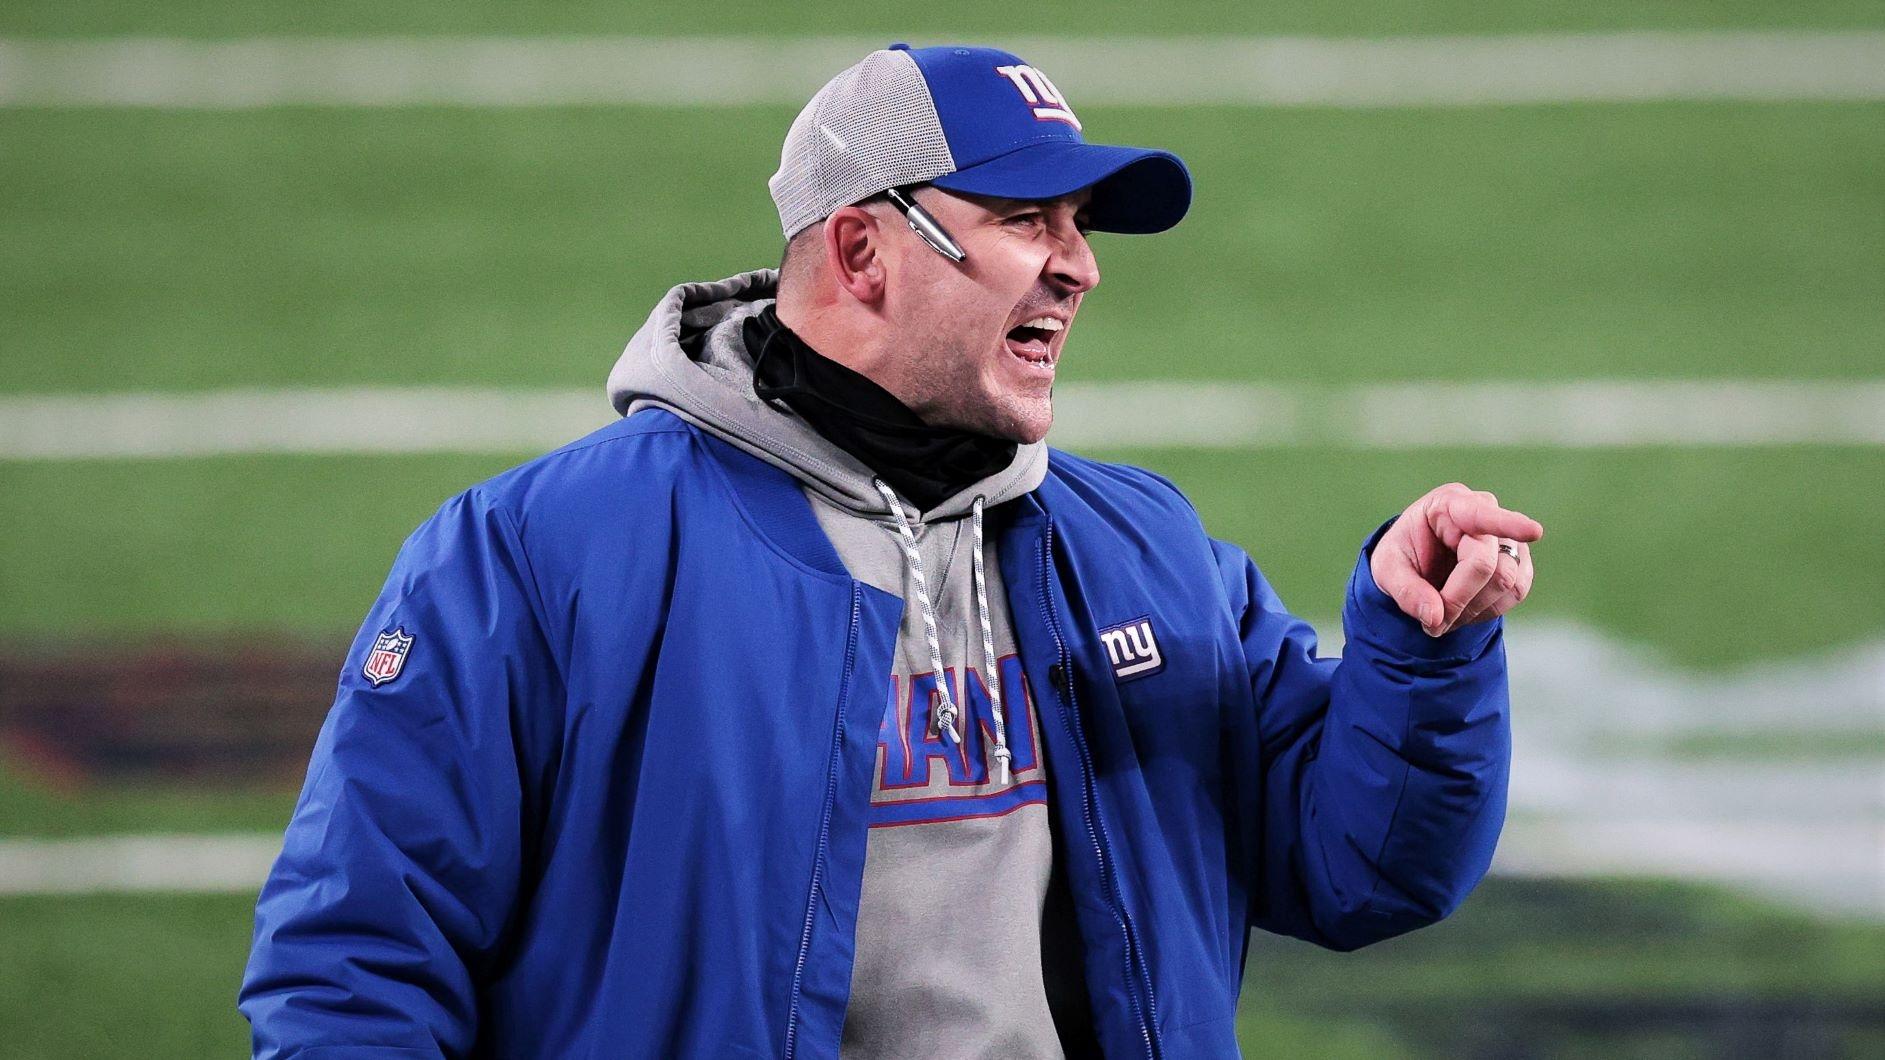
<point>1028,344</point>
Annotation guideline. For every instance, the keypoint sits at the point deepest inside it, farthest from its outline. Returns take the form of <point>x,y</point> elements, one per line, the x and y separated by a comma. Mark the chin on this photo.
<point>1030,433</point>
<point>1010,417</point>
<point>1024,422</point>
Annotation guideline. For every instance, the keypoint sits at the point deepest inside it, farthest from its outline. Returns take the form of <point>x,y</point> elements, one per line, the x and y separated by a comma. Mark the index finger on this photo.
<point>1476,516</point>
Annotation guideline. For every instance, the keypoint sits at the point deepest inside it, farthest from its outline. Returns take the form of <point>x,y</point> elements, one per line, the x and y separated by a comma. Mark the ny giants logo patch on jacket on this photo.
<point>1132,648</point>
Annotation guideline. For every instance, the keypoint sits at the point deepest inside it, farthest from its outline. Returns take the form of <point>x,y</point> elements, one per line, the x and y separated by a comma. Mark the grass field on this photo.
<point>181,251</point>
<point>1711,558</point>
<point>322,247</point>
<point>973,19</point>
<point>1518,972</point>
<point>523,247</point>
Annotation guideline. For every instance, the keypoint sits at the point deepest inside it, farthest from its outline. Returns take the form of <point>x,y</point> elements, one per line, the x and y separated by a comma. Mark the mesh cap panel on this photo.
<point>871,127</point>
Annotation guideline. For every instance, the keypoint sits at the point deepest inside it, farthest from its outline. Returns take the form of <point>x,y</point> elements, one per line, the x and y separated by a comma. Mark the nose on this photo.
<point>1072,267</point>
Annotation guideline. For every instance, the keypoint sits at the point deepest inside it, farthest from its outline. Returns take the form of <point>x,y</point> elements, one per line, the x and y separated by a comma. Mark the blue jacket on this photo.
<point>613,802</point>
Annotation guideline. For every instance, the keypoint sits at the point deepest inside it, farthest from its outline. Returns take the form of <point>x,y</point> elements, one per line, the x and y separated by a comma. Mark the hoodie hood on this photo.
<point>690,357</point>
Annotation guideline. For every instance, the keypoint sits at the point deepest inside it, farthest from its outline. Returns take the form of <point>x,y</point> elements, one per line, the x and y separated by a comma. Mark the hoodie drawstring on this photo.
<point>946,712</point>
<point>988,654</point>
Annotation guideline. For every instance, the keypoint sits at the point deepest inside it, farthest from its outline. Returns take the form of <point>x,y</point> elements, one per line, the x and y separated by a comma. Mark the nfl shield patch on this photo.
<point>388,656</point>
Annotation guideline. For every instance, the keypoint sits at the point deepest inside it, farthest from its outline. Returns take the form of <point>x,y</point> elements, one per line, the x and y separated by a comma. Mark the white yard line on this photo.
<point>1170,71</point>
<point>1607,413</point>
<point>169,862</point>
<point>231,422</point>
<point>1106,416</point>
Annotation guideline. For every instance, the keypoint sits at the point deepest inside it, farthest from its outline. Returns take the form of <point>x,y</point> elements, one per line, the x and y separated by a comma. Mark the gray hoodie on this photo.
<point>949,956</point>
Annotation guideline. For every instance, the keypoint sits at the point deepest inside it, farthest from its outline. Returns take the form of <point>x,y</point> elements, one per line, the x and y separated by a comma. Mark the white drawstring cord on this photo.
<point>946,713</point>
<point>1002,754</point>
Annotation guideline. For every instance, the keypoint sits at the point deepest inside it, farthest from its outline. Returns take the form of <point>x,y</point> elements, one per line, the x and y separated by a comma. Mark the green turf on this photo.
<point>30,806</point>
<point>465,247</point>
<point>176,250</point>
<point>965,20</point>
<point>1497,979</point>
<point>123,976</point>
<point>1713,557</point>
<point>1822,746</point>
<point>1642,937</point>
<point>156,976</point>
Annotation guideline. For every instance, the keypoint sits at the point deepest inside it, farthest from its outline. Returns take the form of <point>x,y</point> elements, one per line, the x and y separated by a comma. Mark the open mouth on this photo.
<point>1033,342</point>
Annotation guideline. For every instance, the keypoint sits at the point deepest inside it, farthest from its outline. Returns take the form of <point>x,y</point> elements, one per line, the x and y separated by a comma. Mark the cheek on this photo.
<point>971,307</point>
<point>1022,264</point>
<point>1012,288</point>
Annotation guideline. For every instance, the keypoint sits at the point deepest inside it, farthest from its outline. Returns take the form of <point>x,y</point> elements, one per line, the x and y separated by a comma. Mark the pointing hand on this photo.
<point>1455,557</point>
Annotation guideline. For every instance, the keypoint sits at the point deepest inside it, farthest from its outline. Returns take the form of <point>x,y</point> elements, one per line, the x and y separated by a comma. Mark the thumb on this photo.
<point>1395,575</point>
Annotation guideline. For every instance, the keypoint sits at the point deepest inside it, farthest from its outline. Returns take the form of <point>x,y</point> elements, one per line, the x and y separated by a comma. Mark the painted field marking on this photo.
<point>1104,416</point>
<point>1704,65</point>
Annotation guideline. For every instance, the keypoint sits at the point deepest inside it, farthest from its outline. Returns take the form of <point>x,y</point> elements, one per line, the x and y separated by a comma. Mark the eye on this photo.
<point>1030,217</point>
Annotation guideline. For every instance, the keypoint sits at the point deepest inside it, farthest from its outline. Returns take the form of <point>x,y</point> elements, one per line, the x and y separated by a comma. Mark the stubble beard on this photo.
<point>947,388</point>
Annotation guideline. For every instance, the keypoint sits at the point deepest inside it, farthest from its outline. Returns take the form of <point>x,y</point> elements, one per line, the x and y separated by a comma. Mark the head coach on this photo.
<point>816,708</point>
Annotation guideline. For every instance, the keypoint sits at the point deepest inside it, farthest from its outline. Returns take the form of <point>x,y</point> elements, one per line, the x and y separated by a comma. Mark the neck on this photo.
<point>925,465</point>
<point>838,335</point>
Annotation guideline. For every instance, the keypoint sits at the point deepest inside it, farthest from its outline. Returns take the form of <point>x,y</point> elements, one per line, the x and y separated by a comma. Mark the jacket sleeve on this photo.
<point>1382,777</point>
<point>401,865</point>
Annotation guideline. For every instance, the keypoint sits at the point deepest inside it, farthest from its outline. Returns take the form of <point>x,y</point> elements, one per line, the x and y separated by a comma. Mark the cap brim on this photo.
<point>1136,190</point>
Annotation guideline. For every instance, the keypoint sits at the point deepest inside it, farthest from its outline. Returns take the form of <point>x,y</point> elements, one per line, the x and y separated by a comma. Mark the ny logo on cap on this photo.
<point>1040,93</point>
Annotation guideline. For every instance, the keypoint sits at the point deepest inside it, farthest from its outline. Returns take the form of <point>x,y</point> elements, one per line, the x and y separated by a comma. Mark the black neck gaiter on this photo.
<point>925,465</point>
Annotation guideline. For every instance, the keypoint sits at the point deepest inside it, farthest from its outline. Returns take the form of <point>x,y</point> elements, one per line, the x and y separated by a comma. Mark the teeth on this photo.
<point>1044,323</point>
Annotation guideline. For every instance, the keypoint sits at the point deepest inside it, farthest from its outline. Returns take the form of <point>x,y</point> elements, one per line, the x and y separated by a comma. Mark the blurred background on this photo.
<point>276,279</point>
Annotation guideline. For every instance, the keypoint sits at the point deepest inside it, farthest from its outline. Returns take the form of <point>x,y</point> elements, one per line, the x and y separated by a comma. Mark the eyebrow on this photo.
<point>1019,205</point>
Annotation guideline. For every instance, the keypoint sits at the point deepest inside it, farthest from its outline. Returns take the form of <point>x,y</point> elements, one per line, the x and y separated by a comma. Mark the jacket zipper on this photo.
<point>824,824</point>
<point>1095,827</point>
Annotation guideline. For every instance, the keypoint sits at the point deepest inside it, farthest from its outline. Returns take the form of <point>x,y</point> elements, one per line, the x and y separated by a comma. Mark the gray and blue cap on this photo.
<point>975,120</point>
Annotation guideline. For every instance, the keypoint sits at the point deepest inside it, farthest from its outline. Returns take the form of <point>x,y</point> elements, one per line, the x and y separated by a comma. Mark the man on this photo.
<point>816,709</point>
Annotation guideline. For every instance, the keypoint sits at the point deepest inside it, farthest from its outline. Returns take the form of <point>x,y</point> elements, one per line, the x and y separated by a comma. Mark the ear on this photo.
<point>854,252</point>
